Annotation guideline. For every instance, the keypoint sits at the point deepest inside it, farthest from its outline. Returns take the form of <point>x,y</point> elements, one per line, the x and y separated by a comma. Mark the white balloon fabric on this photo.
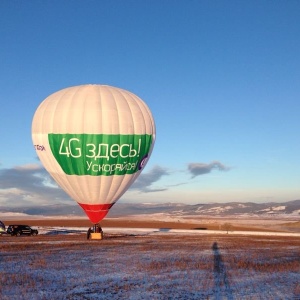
<point>94,140</point>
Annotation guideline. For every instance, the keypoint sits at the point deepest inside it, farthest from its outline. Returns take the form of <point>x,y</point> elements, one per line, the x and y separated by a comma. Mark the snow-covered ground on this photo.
<point>156,231</point>
<point>139,263</point>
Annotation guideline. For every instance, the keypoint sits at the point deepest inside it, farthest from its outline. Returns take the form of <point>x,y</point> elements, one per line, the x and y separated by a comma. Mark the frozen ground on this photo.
<point>149,264</point>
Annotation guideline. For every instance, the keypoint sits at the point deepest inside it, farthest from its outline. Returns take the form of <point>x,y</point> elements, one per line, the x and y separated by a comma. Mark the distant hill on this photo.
<point>286,209</point>
<point>290,208</point>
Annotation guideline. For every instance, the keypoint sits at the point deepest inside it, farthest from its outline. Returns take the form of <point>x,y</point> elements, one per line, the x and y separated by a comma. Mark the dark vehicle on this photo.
<point>2,228</point>
<point>18,230</point>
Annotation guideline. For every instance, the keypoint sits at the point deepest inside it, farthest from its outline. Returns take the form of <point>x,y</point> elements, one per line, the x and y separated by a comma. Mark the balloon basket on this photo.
<point>96,236</point>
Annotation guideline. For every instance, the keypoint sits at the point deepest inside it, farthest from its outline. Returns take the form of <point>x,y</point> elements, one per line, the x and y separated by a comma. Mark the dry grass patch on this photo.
<point>123,266</point>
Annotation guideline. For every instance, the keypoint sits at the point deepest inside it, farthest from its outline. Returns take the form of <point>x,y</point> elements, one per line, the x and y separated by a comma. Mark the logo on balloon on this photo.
<point>39,148</point>
<point>100,154</point>
<point>143,162</point>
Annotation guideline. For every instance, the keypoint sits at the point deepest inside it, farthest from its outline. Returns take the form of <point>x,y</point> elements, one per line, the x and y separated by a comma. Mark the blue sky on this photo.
<point>222,79</point>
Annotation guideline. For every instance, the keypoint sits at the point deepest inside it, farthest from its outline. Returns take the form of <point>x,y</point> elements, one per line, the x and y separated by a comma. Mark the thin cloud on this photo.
<point>29,185</point>
<point>144,182</point>
<point>197,169</point>
<point>177,184</point>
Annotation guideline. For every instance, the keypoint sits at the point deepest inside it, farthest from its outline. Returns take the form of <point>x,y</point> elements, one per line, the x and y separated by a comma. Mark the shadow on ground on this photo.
<point>222,286</point>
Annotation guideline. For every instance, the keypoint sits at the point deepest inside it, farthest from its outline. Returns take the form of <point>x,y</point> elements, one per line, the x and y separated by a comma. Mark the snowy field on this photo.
<point>139,263</point>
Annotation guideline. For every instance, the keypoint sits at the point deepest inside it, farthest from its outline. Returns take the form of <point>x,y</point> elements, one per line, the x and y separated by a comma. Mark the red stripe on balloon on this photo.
<point>96,212</point>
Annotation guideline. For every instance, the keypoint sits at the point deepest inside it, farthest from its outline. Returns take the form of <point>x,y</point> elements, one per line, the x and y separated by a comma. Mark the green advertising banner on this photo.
<point>100,154</point>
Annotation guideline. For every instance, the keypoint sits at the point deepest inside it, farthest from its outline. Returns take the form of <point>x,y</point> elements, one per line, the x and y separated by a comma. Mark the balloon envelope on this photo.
<point>94,140</point>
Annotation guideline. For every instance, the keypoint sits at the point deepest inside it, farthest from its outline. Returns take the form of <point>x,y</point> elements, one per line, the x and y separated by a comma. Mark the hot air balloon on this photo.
<point>94,140</point>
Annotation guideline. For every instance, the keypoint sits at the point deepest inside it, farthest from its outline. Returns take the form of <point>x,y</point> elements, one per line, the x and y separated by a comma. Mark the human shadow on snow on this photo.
<point>220,276</point>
